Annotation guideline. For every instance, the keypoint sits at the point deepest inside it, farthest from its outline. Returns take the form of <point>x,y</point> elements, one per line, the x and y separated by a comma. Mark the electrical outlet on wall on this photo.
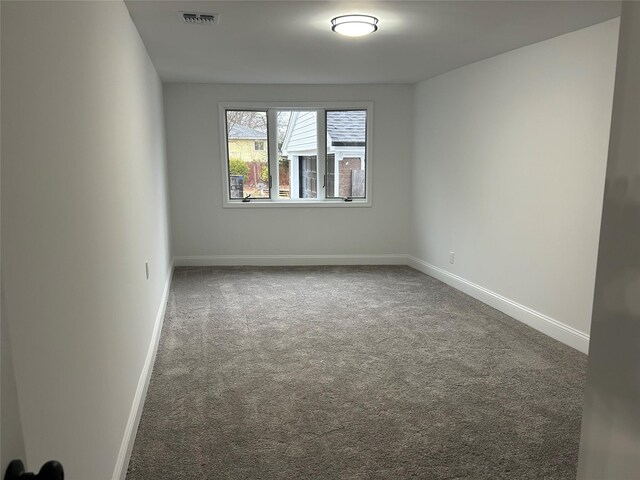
<point>452,257</point>
<point>146,269</point>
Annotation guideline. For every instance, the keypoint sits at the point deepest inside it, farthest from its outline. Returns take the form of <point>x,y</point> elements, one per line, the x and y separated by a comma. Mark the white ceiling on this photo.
<point>291,41</point>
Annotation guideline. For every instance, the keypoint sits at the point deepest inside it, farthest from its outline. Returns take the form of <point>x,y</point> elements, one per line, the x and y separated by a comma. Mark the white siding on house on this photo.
<point>303,138</point>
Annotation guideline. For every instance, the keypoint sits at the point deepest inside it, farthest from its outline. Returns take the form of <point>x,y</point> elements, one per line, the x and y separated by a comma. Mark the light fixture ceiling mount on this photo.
<point>354,25</point>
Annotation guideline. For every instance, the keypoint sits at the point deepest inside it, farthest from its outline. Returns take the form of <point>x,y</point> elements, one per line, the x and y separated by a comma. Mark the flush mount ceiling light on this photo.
<point>354,25</point>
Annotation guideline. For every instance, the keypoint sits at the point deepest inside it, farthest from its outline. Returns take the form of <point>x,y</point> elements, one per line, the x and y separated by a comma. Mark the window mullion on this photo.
<point>322,154</point>
<point>272,142</point>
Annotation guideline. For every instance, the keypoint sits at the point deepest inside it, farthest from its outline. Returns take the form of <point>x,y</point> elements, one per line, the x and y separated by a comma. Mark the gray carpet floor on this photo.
<point>376,372</point>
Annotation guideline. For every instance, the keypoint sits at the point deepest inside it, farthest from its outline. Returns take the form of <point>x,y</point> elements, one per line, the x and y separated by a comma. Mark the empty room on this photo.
<point>320,240</point>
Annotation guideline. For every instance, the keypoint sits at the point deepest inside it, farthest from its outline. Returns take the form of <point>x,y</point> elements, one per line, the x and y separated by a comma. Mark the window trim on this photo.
<point>275,201</point>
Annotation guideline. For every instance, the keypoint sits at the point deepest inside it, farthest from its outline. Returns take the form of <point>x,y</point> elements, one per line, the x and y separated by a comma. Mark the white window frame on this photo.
<point>272,147</point>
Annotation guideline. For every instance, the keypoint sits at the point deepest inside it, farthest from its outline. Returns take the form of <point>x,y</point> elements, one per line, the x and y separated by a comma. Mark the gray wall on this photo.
<point>200,226</point>
<point>610,444</point>
<point>510,157</point>
<point>84,205</point>
<point>12,442</point>
<point>11,425</point>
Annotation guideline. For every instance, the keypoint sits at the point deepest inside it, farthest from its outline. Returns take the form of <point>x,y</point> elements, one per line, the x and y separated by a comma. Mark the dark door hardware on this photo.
<point>51,470</point>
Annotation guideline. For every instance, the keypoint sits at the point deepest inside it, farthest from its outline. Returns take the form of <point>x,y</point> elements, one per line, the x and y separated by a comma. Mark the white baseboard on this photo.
<point>122,463</point>
<point>543,323</point>
<point>288,260</point>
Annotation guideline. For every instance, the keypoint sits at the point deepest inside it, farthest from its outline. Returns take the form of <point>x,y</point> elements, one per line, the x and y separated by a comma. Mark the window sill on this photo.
<point>297,204</point>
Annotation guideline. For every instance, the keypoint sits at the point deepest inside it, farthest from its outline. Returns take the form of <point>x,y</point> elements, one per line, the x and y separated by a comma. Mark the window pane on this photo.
<point>248,154</point>
<point>308,176</point>
<point>284,162</point>
<point>346,153</point>
<point>298,153</point>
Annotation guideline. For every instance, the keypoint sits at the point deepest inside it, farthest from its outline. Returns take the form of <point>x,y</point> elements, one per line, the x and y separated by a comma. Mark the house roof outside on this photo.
<point>347,128</point>
<point>241,132</point>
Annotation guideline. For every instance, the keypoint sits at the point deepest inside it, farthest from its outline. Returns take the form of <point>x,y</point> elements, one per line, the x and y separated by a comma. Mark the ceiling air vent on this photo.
<point>199,18</point>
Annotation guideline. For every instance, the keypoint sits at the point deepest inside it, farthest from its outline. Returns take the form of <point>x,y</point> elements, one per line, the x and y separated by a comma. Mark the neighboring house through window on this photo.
<point>247,163</point>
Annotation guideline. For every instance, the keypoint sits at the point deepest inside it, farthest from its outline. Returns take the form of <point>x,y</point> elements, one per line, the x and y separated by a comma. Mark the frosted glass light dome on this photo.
<point>354,25</point>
